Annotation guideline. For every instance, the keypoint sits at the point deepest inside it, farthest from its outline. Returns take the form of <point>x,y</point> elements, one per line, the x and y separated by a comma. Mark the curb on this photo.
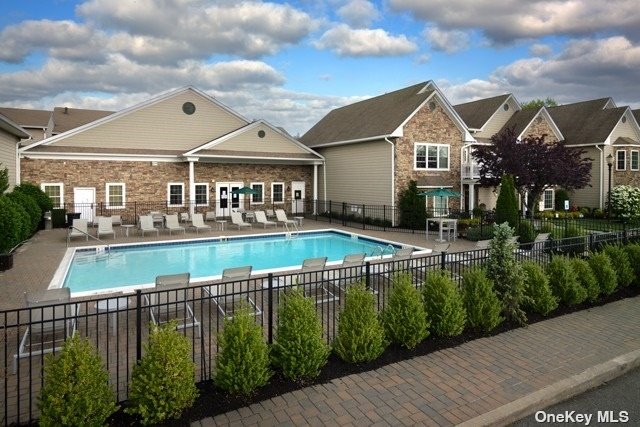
<point>558,392</point>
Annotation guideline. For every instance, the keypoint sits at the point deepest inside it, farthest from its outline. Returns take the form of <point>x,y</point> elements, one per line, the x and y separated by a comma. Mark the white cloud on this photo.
<point>346,41</point>
<point>503,22</point>
<point>359,13</point>
<point>541,50</point>
<point>447,41</point>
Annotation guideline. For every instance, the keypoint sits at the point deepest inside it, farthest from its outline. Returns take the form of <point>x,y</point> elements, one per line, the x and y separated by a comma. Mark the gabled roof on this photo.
<point>636,114</point>
<point>521,120</point>
<point>11,127</point>
<point>26,117</point>
<point>476,113</point>
<point>65,118</point>
<point>587,122</point>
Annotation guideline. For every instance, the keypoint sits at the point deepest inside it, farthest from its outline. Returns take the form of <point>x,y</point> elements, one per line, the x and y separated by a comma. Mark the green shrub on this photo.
<point>507,203</point>
<point>620,261</point>
<point>30,206</point>
<point>9,225</point>
<point>526,232</point>
<point>76,389</point>
<point>564,281</point>
<point>506,274</point>
<point>603,270</point>
<point>299,349</point>
<point>444,305</point>
<point>480,301</point>
<point>162,383</point>
<point>22,217</point>
<point>44,202</point>
<point>361,336</point>
<point>411,207</point>
<point>560,196</point>
<point>404,318</point>
<point>4,180</point>
<point>479,233</point>
<point>633,253</point>
<point>242,364</point>
<point>539,297</point>
<point>586,278</point>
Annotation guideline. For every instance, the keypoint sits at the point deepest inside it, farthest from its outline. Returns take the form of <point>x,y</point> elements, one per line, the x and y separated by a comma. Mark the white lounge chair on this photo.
<point>350,271</point>
<point>536,246</point>
<point>105,227</point>
<point>230,295</point>
<point>170,301</point>
<point>236,219</point>
<point>51,319</point>
<point>116,220</point>
<point>311,278</point>
<point>79,228</point>
<point>282,218</point>
<point>146,225</point>
<point>197,222</point>
<point>261,218</point>
<point>210,216</point>
<point>171,224</point>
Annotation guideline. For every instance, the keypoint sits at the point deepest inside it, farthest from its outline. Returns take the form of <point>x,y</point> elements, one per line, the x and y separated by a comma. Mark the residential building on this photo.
<point>10,135</point>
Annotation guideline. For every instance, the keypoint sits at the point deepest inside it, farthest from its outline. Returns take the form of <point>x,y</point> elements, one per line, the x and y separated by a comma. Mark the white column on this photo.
<point>315,189</point>
<point>472,196</point>
<point>192,188</point>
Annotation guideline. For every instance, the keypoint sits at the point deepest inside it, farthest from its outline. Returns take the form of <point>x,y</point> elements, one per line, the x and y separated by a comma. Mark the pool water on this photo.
<point>134,265</point>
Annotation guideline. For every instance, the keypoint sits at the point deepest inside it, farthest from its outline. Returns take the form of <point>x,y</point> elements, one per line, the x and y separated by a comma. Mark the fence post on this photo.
<point>625,237</point>
<point>363,216</point>
<point>138,324</point>
<point>443,262</point>
<point>344,214</point>
<point>330,212</point>
<point>270,300</point>
<point>367,277</point>
<point>591,238</point>
<point>384,217</point>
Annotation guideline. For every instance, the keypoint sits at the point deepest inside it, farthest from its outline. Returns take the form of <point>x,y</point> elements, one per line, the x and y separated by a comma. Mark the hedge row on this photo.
<point>20,214</point>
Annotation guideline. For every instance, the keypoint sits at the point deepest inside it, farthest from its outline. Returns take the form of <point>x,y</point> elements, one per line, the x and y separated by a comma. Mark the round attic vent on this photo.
<point>261,133</point>
<point>505,107</point>
<point>432,105</point>
<point>538,119</point>
<point>624,119</point>
<point>188,108</point>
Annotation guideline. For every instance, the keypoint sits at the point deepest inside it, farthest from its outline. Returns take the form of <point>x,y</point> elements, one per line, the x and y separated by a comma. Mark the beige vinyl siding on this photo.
<point>8,150</point>
<point>498,120</point>
<point>625,130</point>
<point>590,196</point>
<point>160,126</point>
<point>359,173</point>
<point>272,142</point>
<point>488,197</point>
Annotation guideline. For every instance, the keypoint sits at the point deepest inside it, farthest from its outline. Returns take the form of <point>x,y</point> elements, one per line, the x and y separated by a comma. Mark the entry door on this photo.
<point>297,197</point>
<point>227,201</point>
<point>84,199</point>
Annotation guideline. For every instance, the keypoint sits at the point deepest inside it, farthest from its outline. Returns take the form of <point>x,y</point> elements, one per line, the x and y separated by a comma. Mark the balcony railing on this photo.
<point>470,171</point>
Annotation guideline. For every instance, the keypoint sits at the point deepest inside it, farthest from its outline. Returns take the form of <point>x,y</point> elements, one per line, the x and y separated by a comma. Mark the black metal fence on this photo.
<point>118,325</point>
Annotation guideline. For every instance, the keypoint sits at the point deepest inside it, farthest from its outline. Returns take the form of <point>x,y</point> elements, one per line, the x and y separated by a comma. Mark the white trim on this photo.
<point>273,202</point>
<point>553,196</point>
<point>195,193</point>
<point>251,202</point>
<point>617,160</point>
<point>109,157</point>
<point>55,184</point>
<point>427,145</point>
<point>107,186</point>
<point>630,118</point>
<point>637,160</point>
<point>506,100</point>
<point>169,184</point>
<point>353,141</point>
<point>552,124</point>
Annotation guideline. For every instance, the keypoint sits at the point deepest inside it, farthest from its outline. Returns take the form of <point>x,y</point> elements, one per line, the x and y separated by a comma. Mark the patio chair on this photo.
<point>269,213</point>
<point>261,218</point>
<point>184,217</point>
<point>96,220</point>
<point>116,220</point>
<point>400,262</point>
<point>79,228</point>
<point>228,295</point>
<point>51,319</point>
<point>170,301</point>
<point>350,271</point>
<point>198,223</point>
<point>311,279</point>
<point>210,216</point>
<point>146,225</point>
<point>236,219</point>
<point>282,218</point>
<point>536,246</point>
<point>105,227</point>
<point>171,223</point>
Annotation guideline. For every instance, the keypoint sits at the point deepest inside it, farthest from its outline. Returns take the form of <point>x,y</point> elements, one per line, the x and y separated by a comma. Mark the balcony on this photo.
<point>470,171</point>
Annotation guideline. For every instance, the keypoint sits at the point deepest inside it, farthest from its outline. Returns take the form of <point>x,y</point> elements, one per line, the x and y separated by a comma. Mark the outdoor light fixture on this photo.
<point>610,165</point>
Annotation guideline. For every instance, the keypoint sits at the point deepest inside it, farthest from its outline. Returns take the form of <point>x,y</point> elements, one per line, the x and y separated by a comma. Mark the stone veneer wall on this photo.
<point>541,128</point>
<point>148,183</point>
<point>429,127</point>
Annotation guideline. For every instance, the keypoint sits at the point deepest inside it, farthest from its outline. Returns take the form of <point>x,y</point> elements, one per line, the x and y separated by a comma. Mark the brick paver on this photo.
<point>457,384</point>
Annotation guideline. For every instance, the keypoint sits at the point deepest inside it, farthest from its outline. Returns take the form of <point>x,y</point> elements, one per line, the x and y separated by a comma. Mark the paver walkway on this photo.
<point>455,385</point>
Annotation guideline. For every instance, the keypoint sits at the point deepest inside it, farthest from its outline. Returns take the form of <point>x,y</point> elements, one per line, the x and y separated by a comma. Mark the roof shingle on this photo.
<point>587,122</point>
<point>476,113</point>
<point>65,118</point>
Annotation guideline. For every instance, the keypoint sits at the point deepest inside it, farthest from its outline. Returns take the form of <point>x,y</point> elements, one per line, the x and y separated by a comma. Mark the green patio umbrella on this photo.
<point>244,190</point>
<point>440,192</point>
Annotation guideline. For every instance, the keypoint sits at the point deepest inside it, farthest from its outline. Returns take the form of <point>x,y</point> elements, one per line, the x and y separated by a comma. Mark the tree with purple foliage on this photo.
<point>534,163</point>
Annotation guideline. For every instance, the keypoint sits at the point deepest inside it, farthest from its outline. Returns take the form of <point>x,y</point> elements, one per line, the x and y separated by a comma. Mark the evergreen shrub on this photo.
<point>586,278</point>
<point>404,318</point>
<point>564,281</point>
<point>444,305</point>
<point>480,301</point>
<point>30,206</point>
<point>633,253</point>
<point>620,262</point>
<point>507,203</point>
<point>605,273</point>
<point>44,202</point>
<point>10,223</point>
<point>539,298</point>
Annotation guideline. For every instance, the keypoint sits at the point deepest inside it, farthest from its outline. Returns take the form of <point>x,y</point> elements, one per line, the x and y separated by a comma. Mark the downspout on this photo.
<point>601,176</point>
<point>393,180</point>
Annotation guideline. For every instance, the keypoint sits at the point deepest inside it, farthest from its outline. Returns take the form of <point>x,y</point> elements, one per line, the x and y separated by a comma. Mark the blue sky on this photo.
<point>292,62</point>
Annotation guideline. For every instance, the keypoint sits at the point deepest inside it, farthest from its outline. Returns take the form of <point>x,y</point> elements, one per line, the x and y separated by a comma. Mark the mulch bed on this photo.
<point>213,401</point>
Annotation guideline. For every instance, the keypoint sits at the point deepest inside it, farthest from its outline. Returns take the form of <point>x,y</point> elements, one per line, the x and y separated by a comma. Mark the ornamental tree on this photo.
<point>534,163</point>
<point>625,202</point>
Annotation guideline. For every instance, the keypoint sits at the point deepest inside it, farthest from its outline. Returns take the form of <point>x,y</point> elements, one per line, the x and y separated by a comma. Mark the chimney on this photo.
<point>66,110</point>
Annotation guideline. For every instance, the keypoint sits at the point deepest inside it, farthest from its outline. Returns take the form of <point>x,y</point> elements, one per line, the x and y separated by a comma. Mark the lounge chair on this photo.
<point>210,216</point>
<point>116,220</point>
<point>171,223</point>
<point>79,228</point>
<point>350,271</point>
<point>51,319</point>
<point>236,219</point>
<point>146,225</point>
<point>311,278</point>
<point>184,217</point>
<point>105,227</point>
<point>261,218</point>
<point>269,213</point>
<point>229,295</point>
<point>170,301</point>
<point>198,223</point>
<point>400,262</point>
<point>282,218</point>
<point>536,247</point>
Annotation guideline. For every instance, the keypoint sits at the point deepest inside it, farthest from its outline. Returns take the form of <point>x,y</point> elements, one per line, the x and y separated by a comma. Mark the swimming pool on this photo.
<point>125,267</point>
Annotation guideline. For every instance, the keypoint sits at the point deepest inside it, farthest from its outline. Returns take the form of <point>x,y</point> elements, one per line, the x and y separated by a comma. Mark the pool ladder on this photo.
<point>381,250</point>
<point>290,234</point>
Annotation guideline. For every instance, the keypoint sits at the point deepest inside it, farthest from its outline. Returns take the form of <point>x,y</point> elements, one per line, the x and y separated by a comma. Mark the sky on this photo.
<point>290,63</point>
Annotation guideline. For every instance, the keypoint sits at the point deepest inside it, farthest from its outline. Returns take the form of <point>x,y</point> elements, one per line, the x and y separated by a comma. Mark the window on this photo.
<point>547,199</point>
<point>440,206</point>
<point>115,195</point>
<point>432,156</point>
<point>277,192</point>
<point>635,160</point>
<point>202,194</point>
<point>175,193</point>
<point>621,160</point>
<point>55,191</point>
<point>257,198</point>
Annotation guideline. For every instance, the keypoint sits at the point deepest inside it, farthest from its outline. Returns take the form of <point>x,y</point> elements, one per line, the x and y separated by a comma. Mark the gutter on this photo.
<point>393,178</point>
<point>601,176</point>
<point>350,141</point>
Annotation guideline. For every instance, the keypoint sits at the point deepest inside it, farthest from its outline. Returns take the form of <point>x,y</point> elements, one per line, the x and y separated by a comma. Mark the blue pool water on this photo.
<point>134,265</point>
